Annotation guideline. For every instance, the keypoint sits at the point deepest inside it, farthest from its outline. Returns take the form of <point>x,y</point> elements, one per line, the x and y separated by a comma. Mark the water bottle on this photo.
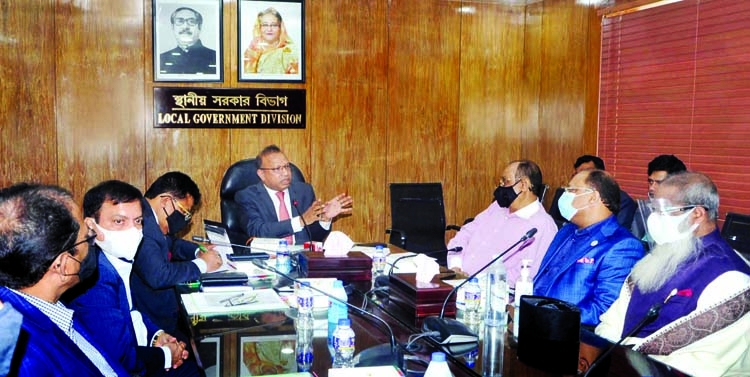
<point>343,344</point>
<point>471,357</point>
<point>304,306</point>
<point>524,286</point>
<point>337,310</point>
<point>497,289</point>
<point>495,321</point>
<point>378,260</point>
<point>283,261</point>
<point>304,356</point>
<point>472,300</point>
<point>438,367</point>
<point>493,349</point>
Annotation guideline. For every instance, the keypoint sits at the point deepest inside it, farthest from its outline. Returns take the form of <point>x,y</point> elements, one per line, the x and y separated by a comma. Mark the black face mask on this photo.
<point>505,195</point>
<point>89,264</point>
<point>176,222</point>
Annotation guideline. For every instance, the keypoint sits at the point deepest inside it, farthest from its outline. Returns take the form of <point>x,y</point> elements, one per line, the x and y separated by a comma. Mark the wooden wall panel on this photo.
<point>493,109</point>
<point>99,79</point>
<point>563,88</point>
<point>347,81</point>
<point>27,101</point>
<point>423,94</point>
<point>397,91</point>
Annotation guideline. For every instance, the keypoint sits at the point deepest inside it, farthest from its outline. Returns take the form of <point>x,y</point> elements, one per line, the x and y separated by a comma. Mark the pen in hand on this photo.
<point>202,248</point>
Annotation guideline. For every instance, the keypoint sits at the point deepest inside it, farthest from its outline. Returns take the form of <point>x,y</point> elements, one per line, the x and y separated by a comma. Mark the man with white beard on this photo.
<point>700,286</point>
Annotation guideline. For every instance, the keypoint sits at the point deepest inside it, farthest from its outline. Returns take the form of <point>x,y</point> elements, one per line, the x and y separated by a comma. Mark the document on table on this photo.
<point>240,301</point>
<point>269,245</point>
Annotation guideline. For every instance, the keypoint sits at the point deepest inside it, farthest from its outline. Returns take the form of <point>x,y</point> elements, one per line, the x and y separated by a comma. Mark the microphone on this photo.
<point>651,315</point>
<point>302,218</point>
<point>383,281</point>
<point>234,257</point>
<point>448,326</point>
<point>384,354</point>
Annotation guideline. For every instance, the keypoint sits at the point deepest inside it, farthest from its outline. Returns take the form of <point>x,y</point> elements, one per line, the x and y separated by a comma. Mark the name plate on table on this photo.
<point>355,266</point>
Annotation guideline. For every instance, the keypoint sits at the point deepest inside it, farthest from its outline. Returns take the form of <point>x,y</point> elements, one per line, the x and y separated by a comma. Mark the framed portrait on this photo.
<point>267,355</point>
<point>209,353</point>
<point>271,40</point>
<point>187,40</point>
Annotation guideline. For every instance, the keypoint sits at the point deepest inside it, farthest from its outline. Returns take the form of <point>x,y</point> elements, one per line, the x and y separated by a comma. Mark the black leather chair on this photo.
<point>239,175</point>
<point>418,218</point>
<point>736,231</point>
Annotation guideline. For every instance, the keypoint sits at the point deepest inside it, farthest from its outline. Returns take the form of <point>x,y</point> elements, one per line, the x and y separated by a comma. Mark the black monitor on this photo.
<point>736,231</point>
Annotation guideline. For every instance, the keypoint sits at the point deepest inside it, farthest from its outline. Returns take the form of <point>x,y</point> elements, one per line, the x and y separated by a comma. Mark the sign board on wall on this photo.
<point>229,108</point>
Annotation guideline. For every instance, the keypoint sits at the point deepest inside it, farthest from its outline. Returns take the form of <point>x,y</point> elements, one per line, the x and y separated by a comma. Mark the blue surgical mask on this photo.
<point>565,204</point>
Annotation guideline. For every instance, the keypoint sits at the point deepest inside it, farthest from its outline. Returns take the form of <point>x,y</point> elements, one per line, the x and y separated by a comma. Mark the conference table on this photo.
<point>232,345</point>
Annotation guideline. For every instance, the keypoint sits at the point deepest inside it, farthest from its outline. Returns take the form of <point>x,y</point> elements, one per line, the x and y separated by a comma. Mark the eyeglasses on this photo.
<point>90,240</point>
<point>508,182</point>
<point>665,207</point>
<point>279,169</point>
<point>578,190</point>
<point>179,21</point>
<point>180,207</point>
<point>270,26</point>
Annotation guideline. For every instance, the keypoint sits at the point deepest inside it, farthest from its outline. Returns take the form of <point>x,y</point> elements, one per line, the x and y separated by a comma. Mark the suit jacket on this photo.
<point>44,350</point>
<point>155,275</point>
<point>259,214</point>
<point>103,310</point>
<point>587,267</point>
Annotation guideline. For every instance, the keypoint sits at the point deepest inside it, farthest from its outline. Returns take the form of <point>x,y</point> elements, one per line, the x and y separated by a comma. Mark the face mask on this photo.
<point>505,195</point>
<point>666,229</point>
<point>121,244</point>
<point>565,204</point>
<point>88,264</point>
<point>176,221</point>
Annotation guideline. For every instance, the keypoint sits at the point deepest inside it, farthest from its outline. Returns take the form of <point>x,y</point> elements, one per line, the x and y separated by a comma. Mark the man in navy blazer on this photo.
<point>165,260</point>
<point>43,253</point>
<point>103,304</point>
<point>262,215</point>
<point>591,256</point>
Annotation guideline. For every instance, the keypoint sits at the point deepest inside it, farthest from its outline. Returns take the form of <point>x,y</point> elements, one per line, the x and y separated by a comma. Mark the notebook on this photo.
<point>217,234</point>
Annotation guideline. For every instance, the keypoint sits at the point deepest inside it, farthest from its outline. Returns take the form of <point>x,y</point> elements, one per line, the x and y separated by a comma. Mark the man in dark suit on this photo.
<point>44,251</point>
<point>272,207</point>
<point>190,56</point>
<point>165,260</point>
<point>103,304</point>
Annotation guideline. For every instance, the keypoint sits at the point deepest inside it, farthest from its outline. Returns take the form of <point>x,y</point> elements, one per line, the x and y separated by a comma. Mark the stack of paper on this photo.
<point>269,245</point>
<point>241,301</point>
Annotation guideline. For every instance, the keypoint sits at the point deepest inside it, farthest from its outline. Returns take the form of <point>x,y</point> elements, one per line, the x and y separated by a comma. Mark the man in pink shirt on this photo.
<point>515,210</point>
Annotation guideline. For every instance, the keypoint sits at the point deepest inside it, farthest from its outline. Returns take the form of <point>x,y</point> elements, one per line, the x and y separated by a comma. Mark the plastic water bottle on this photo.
<point>495,321</point>
<point>304,356</point>
<point>471,357</point>
<point>524,286</point>
<point>497,290</point>
<point>438,367</point>
<point>337,310</point>
<point>378,260</point>
<point>343,344</point>
<point>472,301</point>
<point>283,261</point>
<point>305,306</point>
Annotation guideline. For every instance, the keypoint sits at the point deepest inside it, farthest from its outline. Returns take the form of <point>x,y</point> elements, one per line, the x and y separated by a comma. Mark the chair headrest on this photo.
<point>239,175</point>
<point>244,173</point>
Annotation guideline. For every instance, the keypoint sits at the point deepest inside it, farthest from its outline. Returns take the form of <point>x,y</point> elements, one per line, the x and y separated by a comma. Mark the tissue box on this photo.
<point>356,266</point>
<point>419,302</point>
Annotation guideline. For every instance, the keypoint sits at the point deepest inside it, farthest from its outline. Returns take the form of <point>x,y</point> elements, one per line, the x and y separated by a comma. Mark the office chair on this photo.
<point>736,231</point>
<point>418,218</point>
<point>239,175</point>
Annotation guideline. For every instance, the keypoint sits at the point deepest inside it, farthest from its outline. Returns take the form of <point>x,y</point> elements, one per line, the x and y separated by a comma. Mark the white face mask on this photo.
<point>565,204</point>
<point>666,229</point>
<point>120,243</point>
